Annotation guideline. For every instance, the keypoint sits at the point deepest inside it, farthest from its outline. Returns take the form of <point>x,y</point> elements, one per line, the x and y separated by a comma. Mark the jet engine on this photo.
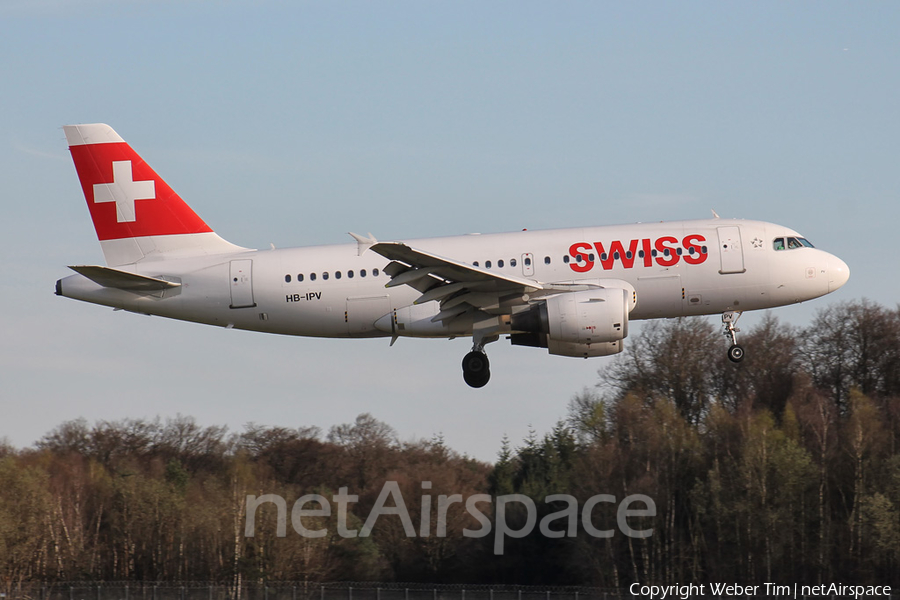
<point>586,323</point>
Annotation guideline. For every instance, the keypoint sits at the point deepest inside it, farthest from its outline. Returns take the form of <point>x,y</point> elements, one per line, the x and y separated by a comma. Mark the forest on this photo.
<point>783,468</point>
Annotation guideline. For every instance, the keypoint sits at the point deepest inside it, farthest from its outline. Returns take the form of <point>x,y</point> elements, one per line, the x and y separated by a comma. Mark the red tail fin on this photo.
<point>135,212</point>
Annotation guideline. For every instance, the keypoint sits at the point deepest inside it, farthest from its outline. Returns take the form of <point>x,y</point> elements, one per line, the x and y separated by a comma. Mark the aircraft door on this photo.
<point>528,264</point>
<point>241,281</point>
<point>730,252</point>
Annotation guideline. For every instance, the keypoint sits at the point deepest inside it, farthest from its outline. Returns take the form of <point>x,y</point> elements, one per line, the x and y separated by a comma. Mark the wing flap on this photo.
<point>461,288</point>
<point>440,292</point>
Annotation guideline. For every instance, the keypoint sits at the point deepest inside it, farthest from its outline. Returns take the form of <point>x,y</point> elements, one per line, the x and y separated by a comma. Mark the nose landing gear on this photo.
<point>729,319</point>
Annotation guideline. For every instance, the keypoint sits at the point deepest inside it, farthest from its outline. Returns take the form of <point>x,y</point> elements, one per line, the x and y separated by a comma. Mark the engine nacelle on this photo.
<point>588,317</point>
<point>585,323</point>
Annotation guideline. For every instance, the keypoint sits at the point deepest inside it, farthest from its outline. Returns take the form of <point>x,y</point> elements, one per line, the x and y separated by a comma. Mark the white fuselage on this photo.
<point>712,266</point>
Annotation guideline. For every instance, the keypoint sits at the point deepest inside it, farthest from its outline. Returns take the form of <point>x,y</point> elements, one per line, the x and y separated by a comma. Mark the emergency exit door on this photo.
<point>528,264</point>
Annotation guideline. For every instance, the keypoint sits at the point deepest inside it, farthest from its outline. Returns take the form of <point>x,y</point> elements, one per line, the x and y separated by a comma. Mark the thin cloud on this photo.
<point>23,149</point>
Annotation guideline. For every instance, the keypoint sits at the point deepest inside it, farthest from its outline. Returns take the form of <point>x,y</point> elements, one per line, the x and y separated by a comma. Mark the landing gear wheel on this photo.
<point>736,354</point>
<point>476,369</point>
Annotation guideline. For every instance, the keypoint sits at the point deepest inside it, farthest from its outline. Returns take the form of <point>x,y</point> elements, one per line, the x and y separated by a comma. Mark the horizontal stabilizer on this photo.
<point>123,280</point>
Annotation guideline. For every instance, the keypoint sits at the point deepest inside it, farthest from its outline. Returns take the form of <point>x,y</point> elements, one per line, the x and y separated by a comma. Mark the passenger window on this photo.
<point>779,244</point>
<point>475,263</point>
<point>337,274</point>
<point>350,274</point>
<point>300,277</point>
<point>500,263</point>
<point>312,276</point>
<point>487,264</point>
<point>512,262</point>
<point>566,259</point>
<point>374,272</point>
<point>527,262</point>
<point>325,275</point>
<point>287,278</point>
<point>546,260</point>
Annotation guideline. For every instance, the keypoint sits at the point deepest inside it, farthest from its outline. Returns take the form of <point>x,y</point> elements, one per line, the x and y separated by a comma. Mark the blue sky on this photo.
<point>293,122</point>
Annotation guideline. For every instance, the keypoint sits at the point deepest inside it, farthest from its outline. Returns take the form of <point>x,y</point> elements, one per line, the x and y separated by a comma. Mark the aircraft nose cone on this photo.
<point>838,274</point>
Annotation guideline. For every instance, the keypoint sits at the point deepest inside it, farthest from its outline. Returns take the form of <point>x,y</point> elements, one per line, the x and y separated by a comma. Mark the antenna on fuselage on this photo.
<point>715,214</point>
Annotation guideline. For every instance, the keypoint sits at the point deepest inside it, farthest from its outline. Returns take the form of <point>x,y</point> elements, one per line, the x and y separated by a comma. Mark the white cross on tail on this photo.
<point>124,191</point>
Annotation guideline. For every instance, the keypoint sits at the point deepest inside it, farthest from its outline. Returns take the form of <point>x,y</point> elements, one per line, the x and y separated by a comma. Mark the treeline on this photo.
<point>782,468</point>
<point>167,501</point>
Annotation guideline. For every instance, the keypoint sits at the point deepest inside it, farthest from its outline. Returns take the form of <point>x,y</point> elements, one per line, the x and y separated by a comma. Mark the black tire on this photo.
<point>476,369</point>
<point>736,354</point>
<point>478,381</point>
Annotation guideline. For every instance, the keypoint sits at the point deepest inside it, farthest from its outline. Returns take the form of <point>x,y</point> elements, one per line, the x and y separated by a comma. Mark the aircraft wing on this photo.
<point>459,287</point>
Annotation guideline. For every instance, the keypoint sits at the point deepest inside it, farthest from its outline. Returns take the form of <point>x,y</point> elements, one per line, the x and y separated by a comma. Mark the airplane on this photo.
<point>570,291</point>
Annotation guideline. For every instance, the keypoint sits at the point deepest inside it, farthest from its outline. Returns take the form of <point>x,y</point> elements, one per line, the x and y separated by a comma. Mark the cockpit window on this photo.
<point>791,243</point>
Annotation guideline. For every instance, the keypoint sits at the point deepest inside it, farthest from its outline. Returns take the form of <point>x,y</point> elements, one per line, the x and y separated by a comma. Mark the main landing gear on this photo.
<point>729,319</point>
<point>475,365</point>
<point>476,368</point>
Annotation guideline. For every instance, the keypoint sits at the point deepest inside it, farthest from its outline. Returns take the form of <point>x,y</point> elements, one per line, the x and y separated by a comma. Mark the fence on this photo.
<point>315,591</point>
<point>298,591</point>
